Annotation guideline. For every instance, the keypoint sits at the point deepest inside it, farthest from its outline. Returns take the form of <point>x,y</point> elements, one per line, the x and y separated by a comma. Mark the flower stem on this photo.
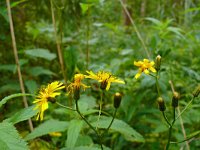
<point>157,85</point>
<point>165,117</point>
<point>65,106</point>
<point>100,109</point>
<point>114,115</point>
<point>170,128</point>
<point>99,137</point>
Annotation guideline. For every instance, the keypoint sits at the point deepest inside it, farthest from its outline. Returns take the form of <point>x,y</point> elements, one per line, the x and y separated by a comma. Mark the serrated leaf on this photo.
<point>10,139</point>
<point>122,127</point>
<point>41,53</point>
<point>73,132</point>
<point>7,98</point>
<point>46,128</point>
<point>22,115</point>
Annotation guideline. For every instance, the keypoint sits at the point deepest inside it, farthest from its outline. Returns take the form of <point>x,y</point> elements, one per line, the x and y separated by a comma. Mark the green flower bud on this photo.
<point>117,100</point>
<point>158,63</point>
<point>196,91</point>
<point>175,99</point>
<point>161,104</point>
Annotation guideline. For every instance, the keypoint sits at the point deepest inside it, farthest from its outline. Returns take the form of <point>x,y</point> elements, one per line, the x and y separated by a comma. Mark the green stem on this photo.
<point>184,140</point>
<point>185,108</point>
<point>165,117</point>
<point>114,115</point>
<point>100,109</point>
<point>99,137</point>
<point>170,128</point>
<point>65,106</point>
<point>157,85</point>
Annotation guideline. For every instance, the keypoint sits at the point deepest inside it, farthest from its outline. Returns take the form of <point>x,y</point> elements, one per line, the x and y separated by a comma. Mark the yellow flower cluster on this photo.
<point>52,89</point>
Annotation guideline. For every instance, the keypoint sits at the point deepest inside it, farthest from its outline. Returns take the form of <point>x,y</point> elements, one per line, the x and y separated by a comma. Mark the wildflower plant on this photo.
<point>147,67</point>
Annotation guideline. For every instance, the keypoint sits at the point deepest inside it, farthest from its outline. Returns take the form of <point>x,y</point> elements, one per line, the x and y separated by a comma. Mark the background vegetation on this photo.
<point>99,35</point>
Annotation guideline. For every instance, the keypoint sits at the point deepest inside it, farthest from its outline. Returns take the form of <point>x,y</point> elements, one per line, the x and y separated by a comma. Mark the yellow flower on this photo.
<point>77,84</point>
<point>144,66</point>
<point>45,94</point>
<point>105,78</point>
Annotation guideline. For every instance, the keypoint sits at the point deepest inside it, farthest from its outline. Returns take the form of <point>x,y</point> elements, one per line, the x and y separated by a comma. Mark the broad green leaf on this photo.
<point>22,115</point>
<point>89,99</point>
<point>122,127</point>
<point>73,132</point>
<point>46,128</point>
<point>10,139</point>
<point>7,98</point>
<point>41,53</point>
<point>36,71</point>
<point>84,140</point>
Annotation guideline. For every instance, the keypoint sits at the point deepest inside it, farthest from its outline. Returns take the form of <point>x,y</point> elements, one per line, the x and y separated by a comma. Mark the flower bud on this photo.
<point>77,93</point>
<point>196,91</point>
<point>158,63</point>
<point>175,99</point>
<point>161,104</point>
<point>117,100</point>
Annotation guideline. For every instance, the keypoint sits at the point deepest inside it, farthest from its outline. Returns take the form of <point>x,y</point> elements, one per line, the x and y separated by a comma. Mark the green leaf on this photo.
<point>41,53</point>
<point>84,140</point>
<point>22,115</point>
<point>3,10</point>
<point>46,128</point>
<point>31,86</point>
<point>9,67</point>
<point>7,98</point>
<point>155,21</point>
<point>73,132</point>
<point>10,139</point>
<point>70,55</point>
<point>122,127</point>
<point>85,7</point>
<point>36,71</point>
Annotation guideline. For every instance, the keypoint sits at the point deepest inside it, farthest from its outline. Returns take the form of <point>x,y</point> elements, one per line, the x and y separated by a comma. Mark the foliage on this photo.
<point>98,35</point>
